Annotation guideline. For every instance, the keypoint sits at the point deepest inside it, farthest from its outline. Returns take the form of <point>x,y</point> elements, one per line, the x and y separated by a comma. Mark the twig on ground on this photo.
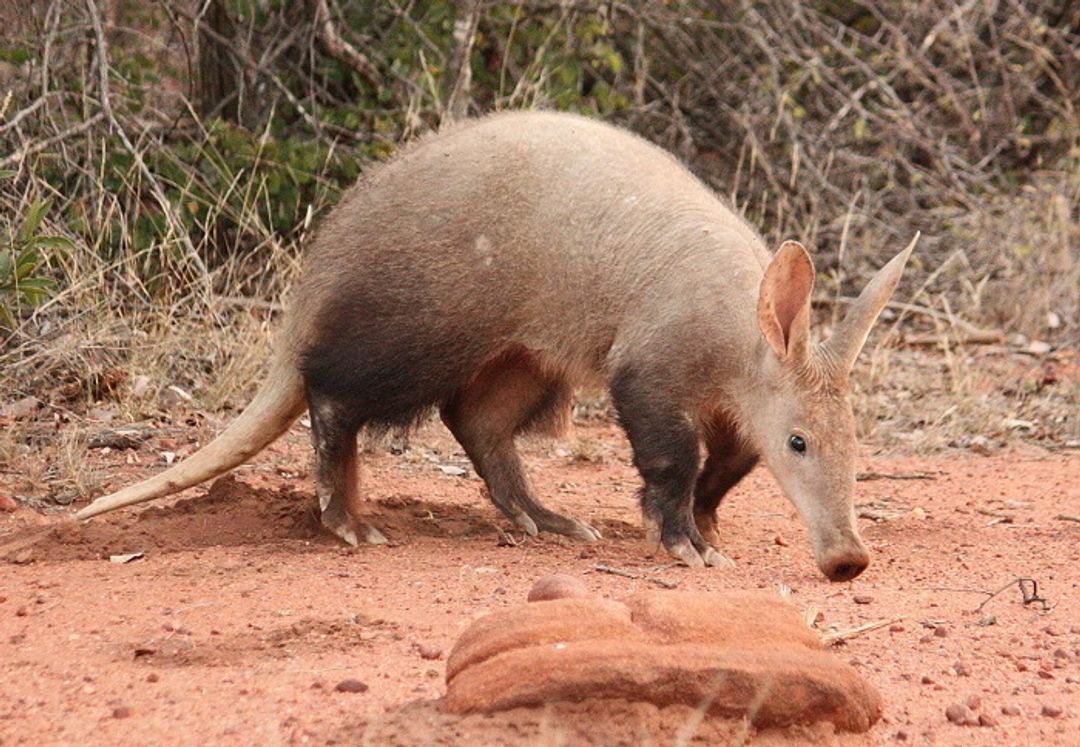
<point>506,539</point>
<point>1010,518</point>
<point>1067,517</point>
<point>662,582</point>
<point>964,337</point>
<point>831,639</point>
<point>867,476</point>
<point>1028,589</point>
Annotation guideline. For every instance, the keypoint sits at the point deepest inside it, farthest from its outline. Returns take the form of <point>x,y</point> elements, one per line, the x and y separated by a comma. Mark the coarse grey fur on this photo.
<point>490,269</point>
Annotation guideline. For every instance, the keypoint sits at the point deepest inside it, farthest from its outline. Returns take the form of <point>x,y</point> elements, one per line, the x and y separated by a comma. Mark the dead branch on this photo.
<point>458,68</point>
<point>40,145</point>
<point>967,327</point>
<point>973,337</point>
<point>832,639</point>
<point>336,46</point>
<point>867,476</point>
<point>661,582</point>
<point>114,124</point>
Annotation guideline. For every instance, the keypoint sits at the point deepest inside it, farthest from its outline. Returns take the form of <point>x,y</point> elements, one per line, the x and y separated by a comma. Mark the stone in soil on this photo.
<point>960,714</point>
<point>351,686</point>
<point>557,586</point>
<point>664,648</point>
<point>428,652</point>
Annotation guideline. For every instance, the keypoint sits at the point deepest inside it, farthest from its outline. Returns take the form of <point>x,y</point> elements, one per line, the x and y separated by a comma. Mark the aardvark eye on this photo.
<point>797,444</point>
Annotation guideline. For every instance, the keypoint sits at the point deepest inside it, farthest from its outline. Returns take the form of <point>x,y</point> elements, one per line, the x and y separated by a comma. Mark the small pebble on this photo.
<point>430,653</point>
<point>1051,711</point>
<point>962,669</point>
<point>927,679</point>
<point>959,714</point>
<point>22,611</point>
<point>779,540</point>
<point>7,504</point>
<point>863,599</point>
<point>896,628</point>
<point>152,677</point>
<point>973,702</point>
<point>1053,630</point>
<point>1010,710</point>
<point>941,631</point>
<point>351,686</point>
<point>122,712</point>
<point>985,719</point>
<point>557,586</point>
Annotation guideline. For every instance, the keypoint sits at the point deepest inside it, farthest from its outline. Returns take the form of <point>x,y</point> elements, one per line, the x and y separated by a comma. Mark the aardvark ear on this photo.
<point>850,334</point>
<point>783,308</point>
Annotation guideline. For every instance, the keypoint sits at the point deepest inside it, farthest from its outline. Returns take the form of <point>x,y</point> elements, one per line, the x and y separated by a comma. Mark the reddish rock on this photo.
<point>351,686</point>
<point>863,599</point>
<point>985,719</point>
<point>7,504</point>
<point>1051,711</point>
<point>744,654</point>
<point>557,586</point>
<point>941,631</point>
<point>733,619</point>
<point>960,714</point>
<point>1010,710</point>
<point>428,652</point>
<point>122,712</point>
<point>540,623</point>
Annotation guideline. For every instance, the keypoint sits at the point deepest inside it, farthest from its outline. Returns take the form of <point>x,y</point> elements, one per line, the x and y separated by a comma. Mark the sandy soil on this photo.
<point>241,619</point>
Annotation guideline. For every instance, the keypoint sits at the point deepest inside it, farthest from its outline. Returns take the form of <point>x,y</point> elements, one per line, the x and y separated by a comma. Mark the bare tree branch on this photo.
<point>155,186</point>
<point>458,68</point>
<point>336,46</point>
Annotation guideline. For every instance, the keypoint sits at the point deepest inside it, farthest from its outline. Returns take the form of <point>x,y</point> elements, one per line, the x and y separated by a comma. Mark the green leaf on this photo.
<point>33,219</point>
<point>51,242</point>
<point>37,285</point>
<point>26,262</point>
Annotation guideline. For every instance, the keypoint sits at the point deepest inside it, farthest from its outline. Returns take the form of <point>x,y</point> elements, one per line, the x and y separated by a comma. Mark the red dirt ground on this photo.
<point>242,617</point>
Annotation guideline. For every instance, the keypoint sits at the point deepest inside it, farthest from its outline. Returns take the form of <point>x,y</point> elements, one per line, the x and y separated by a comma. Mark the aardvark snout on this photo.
<point>844,559</point>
